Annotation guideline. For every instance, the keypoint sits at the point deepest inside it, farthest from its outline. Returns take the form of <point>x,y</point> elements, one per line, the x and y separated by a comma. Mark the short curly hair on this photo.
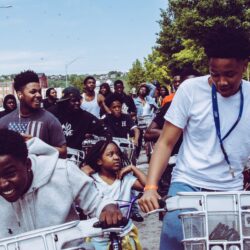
<point>118,82</point>
<point>112,98</point>
<point>47,93</point>
<point>12,143</point>
<point>24,78</point>
<point>143,86</point>
<point>88,78</point>
<point>227,42</point>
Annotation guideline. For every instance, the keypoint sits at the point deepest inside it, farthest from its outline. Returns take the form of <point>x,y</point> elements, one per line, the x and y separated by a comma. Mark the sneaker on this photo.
<point>137,217</point>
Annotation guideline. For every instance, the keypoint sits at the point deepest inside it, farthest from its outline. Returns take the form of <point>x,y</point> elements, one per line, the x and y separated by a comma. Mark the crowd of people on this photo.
<point>204,119</point>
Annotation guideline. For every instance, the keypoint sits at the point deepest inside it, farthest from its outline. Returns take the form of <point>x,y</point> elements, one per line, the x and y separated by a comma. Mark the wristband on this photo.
<point>150,187</point>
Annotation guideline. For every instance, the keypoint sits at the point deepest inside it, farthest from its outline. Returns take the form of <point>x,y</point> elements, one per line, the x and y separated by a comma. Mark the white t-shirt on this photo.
<point>120,191</point>
<point>146,109</point>
<point>201,162</point>
<point>91,106</point>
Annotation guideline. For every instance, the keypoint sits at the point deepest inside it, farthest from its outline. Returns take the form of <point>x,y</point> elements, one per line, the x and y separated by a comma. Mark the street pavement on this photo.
<point>150,228</point>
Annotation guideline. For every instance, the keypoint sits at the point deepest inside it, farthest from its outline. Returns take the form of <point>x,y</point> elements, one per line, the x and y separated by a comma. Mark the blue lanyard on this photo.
<point>217,123</point>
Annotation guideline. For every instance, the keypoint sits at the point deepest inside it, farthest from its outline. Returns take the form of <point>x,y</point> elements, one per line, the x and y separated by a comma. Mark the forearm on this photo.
<point>137,135</point>
<point>152,89</point>
<point>62,151</point>
<point>152,134</point>
<point>158,163</point>
<point>105,108</point>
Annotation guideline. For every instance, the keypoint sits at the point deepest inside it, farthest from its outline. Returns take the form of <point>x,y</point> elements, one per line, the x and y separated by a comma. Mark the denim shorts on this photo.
<point>171,234</point>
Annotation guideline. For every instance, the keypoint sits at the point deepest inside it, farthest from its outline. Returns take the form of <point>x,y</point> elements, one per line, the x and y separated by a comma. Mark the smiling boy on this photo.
<point>29,118</point>
<point>37,189</point>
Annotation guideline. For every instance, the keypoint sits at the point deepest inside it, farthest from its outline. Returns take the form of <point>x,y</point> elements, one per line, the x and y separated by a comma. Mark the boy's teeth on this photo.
<point>8,192</point>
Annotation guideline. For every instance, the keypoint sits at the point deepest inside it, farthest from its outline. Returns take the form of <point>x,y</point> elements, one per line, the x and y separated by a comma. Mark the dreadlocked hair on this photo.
<point>96,152</point>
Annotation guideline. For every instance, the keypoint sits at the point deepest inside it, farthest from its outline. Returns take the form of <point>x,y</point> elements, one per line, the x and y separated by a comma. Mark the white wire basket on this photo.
<point>219,220</point>
<point>53,237</point>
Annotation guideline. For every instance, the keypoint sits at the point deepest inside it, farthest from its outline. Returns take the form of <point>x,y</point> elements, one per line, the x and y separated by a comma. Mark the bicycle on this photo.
<point>75,155</point>
<point>115,236</point>
<point>209,225</point>
<point>67,236</point>
<point>143,122</point>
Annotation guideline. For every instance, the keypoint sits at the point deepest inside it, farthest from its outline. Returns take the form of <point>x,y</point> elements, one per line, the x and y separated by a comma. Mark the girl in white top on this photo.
<point>116,181</point>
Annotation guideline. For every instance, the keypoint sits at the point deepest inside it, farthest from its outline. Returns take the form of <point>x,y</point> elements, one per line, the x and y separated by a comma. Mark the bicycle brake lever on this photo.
<point>155,211</point>
<point>162,203</point>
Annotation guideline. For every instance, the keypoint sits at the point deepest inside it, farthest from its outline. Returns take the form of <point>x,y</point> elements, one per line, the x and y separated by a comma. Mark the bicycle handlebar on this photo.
<point>103,225</point>
<point>124,221</point>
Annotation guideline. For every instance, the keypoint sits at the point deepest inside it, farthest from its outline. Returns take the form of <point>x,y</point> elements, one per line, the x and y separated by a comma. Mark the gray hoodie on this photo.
<point>57,184</point>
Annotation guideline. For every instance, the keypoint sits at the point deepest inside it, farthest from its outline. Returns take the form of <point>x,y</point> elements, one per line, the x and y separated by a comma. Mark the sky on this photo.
<point>76,36</point>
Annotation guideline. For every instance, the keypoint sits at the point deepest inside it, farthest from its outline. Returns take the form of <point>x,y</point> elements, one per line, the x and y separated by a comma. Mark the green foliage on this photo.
<point>192,56</point>
<point>76,81</point>
<point>56,83</point>
<point>136,74</point>
<point>184,24</point>
<point>155,68</point>
<point>115,73</point>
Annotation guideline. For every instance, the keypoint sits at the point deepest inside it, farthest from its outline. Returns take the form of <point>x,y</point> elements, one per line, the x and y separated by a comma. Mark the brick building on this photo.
<point>5,89</point>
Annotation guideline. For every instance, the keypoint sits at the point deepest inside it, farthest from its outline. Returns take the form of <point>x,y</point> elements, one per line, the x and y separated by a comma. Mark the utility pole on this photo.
<point>66,68</point>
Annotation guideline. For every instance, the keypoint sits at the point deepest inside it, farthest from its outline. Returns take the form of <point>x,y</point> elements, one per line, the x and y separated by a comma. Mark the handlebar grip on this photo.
<point>103,224</point>
<point>162,203</point>
<point>139,195</point>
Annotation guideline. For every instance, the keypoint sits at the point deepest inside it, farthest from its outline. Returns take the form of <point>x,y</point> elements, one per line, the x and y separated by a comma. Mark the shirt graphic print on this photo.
<point>32,128</point>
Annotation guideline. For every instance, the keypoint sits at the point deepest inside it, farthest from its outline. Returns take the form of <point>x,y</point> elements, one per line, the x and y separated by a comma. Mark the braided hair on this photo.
<point>96,152</point>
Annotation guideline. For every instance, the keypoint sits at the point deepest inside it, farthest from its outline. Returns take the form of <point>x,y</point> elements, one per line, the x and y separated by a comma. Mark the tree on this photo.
<point>76,81</point>
<point>136,74</point>
<point>184,24</point>
<point>155,68</point>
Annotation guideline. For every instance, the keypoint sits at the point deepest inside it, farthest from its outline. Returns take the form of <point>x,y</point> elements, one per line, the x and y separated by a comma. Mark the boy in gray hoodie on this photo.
<point>37,189</point>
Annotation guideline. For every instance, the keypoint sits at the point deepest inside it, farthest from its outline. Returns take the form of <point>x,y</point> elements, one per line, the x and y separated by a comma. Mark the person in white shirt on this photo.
<point>115,179</point>
<point>37,189</point>
<point>213,114</point>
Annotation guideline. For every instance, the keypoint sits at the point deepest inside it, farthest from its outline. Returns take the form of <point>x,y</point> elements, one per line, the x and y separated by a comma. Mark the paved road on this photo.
<point>150,228</point>
<point>149,232</point>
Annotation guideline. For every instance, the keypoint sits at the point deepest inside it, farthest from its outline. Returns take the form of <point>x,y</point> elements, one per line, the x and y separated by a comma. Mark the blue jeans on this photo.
<point>171,234</point>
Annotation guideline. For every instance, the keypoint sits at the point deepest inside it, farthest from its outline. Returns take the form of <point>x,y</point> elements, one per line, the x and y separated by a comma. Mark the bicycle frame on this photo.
<point>115,238</point>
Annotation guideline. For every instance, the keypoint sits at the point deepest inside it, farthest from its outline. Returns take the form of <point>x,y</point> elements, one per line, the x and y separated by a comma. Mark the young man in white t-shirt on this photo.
<point>201,164</point>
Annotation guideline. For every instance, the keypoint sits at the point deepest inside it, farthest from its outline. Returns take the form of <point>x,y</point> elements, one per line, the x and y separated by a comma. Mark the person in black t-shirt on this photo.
<point>9,104</point>
<point>51,98</point>
<point>154,130</point>
<point>119,124</point>
<point>77,124</point>
<point>128,106</point>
